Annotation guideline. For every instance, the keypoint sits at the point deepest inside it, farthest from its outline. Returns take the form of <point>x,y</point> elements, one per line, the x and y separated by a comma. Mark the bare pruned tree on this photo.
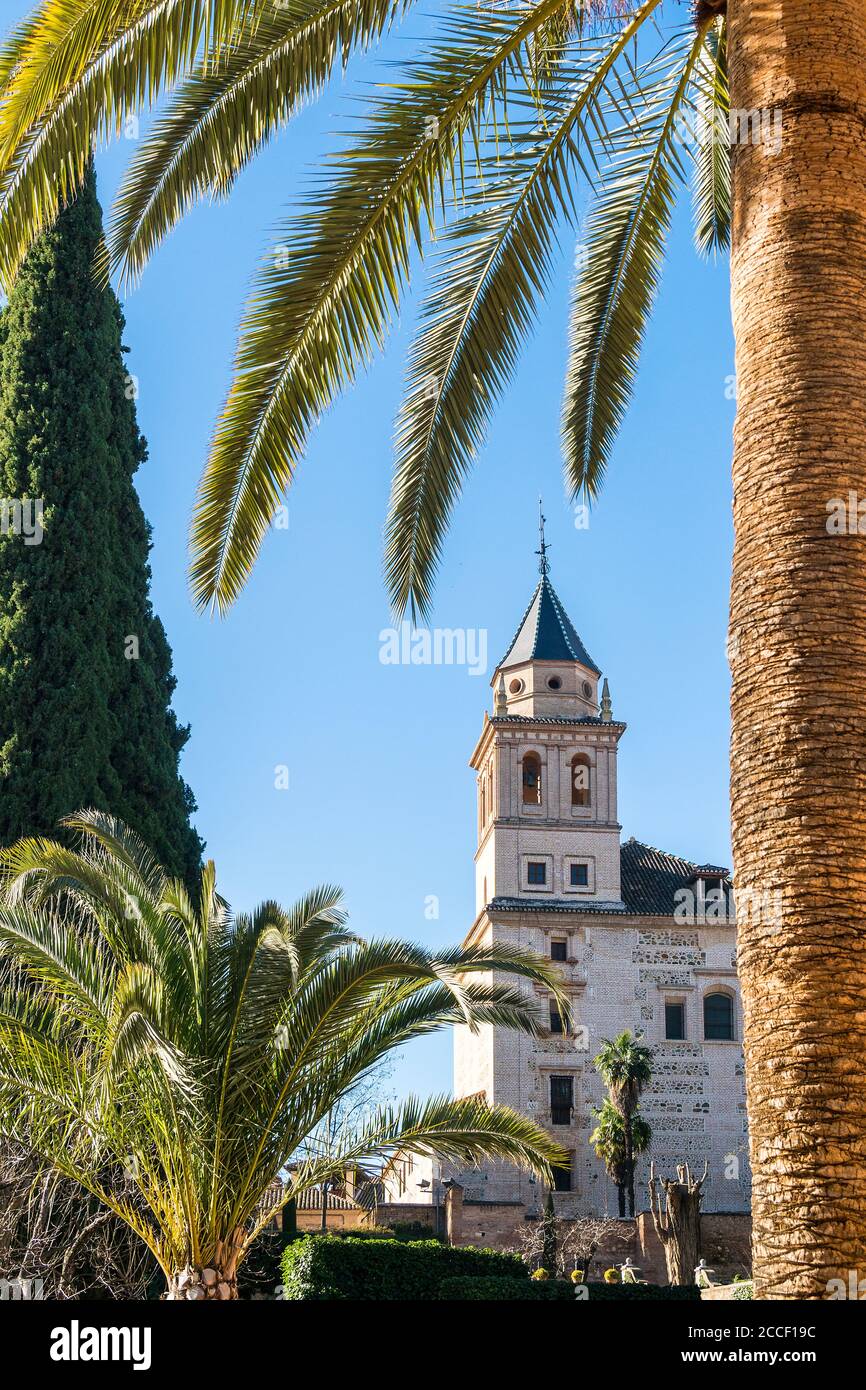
<point>578,1240</point>
<point>52,1233</point>
<point>678,1222</point>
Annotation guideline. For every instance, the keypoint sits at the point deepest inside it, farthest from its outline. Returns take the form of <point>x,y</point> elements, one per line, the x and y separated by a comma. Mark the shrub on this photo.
<point>326,1267</point>
<point>462,1289</point>
<point>413,1230</point>
<point>636,1292</point>
<point>465,1289</point>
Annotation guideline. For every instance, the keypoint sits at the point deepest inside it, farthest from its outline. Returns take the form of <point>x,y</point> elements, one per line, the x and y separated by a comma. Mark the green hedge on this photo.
<point>327,1267</point>
<point>466,1289</point>
<point>463,1289</point>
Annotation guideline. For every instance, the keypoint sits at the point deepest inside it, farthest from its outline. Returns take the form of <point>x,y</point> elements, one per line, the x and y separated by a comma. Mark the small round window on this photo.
<point>587,689</point>
<point>554,683</point>
<point>515,687</point>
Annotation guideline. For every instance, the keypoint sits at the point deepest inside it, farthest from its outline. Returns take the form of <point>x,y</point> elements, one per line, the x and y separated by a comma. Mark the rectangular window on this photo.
<point>675,1022</point>
<point>561,1099</point>
<point>559,950</point>
<point>536,872</point>
<point>580,875</point>
<point>719,1017</point>
<point>561,1177</point>
<point>556,1021</point>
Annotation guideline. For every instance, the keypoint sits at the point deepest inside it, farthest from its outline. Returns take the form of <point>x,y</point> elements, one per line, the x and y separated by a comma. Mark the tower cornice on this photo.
<point>592,729</point>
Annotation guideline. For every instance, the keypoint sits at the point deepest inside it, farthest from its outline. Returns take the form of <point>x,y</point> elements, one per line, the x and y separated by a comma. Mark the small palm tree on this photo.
<point>608,1141</point>
<point>195,1051</point>
<point>625,1066</point>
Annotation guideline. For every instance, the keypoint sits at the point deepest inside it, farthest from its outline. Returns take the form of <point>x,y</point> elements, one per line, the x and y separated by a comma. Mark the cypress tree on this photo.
<point>85,667</point>
<point>548,1236</point>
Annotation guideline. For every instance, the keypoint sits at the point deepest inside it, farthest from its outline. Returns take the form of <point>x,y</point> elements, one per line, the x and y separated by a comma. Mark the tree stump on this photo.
<point>678,1225</point>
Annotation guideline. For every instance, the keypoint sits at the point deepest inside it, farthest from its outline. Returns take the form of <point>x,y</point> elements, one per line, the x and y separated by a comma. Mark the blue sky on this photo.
<point>380,798</point>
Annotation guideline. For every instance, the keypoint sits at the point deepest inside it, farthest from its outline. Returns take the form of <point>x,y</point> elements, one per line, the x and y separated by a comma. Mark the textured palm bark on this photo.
<point>798,634</point>
<point>198,1283</point>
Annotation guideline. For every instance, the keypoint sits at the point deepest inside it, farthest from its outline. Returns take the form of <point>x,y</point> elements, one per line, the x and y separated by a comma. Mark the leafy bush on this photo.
<point>636,1292</point>
<point>413,1230</point>
<point>326,1267</point>
<point>744,1292</point>
<point>465,1289</point>
<point>400,1230</point>
<point>460,1289</point>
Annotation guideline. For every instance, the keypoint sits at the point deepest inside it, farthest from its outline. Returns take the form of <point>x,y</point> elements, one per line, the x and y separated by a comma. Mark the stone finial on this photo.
<point>500,702</point>
<point>606,711</point>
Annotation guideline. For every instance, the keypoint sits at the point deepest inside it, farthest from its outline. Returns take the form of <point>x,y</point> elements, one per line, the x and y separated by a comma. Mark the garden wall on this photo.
<point>725,1236</point>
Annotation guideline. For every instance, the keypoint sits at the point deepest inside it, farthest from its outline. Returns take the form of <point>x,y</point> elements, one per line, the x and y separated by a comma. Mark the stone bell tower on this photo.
<point>554,878</point>
<point>546,766</point>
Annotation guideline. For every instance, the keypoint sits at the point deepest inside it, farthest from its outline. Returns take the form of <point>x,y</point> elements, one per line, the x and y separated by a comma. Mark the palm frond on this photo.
<point>465,1131</point>
<point>323,305</point>
<point>74,969</point>
<point>711,185</point>
<point>483,301</point>
<point>622,251</point>
<point>229,108</point>
<point>79,72</point>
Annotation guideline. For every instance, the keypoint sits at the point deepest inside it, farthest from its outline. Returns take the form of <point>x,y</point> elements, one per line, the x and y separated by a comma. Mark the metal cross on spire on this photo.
<point>541,552</point>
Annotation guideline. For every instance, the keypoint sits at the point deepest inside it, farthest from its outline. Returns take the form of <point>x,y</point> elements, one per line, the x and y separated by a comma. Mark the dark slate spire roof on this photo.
<point>546,633</point>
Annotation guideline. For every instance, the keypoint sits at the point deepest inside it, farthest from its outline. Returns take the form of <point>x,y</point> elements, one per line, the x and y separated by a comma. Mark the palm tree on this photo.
<point>195,1051</point>
<point>625,1067</point>
<point>608,1141</point>
<point>484,138</point>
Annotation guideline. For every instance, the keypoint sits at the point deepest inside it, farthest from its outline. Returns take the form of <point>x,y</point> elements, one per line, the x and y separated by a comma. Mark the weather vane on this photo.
<point>541,552</point>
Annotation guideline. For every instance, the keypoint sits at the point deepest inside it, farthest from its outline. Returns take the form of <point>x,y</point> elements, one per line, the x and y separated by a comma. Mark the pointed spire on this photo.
<point>606,711</point>
<point>500,704</point>
<point>546,633</point>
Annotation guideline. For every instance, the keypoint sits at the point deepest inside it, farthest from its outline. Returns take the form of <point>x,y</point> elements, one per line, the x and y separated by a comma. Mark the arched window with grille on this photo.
<point>531,779</point>
<point>718,1017</point>
<point>580,780</point>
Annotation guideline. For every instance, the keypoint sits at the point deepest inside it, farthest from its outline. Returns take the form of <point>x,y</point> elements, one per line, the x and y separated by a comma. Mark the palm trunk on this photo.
<point>798,632</point>
<point>629,1161</point>
<point>197,1283</point>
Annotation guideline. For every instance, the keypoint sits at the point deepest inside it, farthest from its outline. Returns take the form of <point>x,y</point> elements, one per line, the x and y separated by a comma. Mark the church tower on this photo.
<point>546,769</point>
<point>643,940</point>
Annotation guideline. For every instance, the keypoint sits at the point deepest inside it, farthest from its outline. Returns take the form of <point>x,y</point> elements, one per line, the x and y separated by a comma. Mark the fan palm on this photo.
<point>608,1141</point>
<point>197,1052</point>
<point>483,137</point>
<point>625,1067</point>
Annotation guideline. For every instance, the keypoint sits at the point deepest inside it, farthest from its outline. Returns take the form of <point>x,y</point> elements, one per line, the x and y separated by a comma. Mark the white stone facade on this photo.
<point>634,930</point>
